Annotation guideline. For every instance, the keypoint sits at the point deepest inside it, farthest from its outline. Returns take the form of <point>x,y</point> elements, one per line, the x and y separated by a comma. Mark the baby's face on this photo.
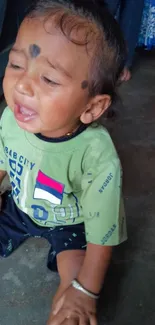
<point>45,82</point>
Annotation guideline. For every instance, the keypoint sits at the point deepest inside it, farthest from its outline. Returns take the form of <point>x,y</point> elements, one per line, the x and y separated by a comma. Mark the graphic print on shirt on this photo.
<point>48,189</point>
<point>16,163</point>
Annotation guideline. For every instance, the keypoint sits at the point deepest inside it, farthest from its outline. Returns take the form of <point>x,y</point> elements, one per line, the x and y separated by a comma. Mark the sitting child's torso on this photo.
<point>60,183</point>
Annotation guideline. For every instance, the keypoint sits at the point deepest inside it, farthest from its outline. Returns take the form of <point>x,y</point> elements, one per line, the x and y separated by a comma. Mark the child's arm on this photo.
<point>76,304</point>
<point>2,175</point>
<point>2,153</point>
<point>94,268</point>
<point>105,227</point>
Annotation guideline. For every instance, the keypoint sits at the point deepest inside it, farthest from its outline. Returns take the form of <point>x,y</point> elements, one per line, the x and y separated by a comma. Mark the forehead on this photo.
<point>53,44</point>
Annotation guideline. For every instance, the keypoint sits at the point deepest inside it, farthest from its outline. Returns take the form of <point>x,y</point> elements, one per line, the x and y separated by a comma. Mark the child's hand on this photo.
<point>74,308</point>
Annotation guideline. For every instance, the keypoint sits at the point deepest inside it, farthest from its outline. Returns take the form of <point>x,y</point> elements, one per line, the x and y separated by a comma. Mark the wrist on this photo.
<point>89,284</point>
<point>78,286</point>
<point>93,271</point>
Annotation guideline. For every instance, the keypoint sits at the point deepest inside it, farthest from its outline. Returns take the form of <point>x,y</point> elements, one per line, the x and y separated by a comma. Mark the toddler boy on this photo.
<point>64,170</point>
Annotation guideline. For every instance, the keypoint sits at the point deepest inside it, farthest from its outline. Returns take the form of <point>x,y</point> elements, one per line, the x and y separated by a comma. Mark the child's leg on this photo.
<point>12,230</point>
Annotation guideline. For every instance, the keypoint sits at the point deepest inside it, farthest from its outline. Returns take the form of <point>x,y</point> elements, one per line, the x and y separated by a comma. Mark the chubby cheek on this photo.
<point>62,107</point>
<point>56,113</point>
<point>52,113</point>
<point>8,87</point>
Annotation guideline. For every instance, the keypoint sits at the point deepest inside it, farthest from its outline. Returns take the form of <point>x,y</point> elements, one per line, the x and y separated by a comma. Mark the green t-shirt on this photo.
<point>68,182</point>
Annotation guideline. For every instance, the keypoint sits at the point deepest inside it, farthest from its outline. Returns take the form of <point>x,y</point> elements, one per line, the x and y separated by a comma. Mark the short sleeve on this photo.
<point>2,153</point>
<point>102,202</point>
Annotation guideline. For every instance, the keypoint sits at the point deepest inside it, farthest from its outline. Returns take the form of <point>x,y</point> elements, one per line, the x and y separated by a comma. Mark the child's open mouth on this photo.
<point>24,114</point>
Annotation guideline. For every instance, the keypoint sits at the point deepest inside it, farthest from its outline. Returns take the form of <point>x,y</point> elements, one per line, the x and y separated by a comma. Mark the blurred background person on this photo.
<point>147,32</point>
<point>129,15</point>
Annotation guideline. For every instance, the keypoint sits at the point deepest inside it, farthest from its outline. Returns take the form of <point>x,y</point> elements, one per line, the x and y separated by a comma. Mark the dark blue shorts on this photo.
<point>16,227</point>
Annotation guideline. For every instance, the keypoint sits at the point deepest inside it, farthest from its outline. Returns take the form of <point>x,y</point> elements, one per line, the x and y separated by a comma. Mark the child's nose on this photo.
<point>24,87</point>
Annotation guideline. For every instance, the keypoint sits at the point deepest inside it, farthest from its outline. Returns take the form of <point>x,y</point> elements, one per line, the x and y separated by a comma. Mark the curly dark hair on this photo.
<point>98,29</point>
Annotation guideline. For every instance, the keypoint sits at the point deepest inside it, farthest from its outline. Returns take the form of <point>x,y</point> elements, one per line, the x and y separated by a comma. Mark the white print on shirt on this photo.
<point>24,196</point>
<point>16,158</point>
<point>16,165</point>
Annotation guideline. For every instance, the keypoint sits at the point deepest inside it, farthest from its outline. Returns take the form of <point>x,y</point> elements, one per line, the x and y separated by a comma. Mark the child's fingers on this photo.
<point>59,318</point>
<point>71,321</point>
<point>93,320</point>
<point>83,320</point>
<point>58,305</point>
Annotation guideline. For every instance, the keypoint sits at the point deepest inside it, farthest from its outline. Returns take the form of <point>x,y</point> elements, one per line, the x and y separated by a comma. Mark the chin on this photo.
<point>27,127</point>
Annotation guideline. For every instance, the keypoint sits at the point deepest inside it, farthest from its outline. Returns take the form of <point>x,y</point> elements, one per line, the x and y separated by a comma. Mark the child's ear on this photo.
<point>95,108</point>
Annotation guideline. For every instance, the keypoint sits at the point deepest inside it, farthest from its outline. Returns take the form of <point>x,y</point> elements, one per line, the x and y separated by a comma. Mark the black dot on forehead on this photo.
<point>34,50</point>
<point>84,84</point>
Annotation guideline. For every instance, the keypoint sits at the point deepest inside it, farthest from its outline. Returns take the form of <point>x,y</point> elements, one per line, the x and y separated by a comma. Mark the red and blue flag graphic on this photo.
<point>48,189</point>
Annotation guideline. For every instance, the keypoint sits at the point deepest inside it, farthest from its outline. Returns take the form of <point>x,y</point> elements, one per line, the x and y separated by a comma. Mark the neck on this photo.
<point>61,133</point>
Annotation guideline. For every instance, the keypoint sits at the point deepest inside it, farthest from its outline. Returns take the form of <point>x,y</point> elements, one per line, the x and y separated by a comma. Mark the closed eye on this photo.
<point>48,81</point>
<point>15,66</point>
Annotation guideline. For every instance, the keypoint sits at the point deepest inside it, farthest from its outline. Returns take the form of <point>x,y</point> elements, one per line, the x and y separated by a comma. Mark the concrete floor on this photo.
<point>27,286</point>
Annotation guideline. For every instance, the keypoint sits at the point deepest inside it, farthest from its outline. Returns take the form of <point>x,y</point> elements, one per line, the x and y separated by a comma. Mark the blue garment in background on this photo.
<point>129,15</point>
<point>3,4</point>
<point>147,33</point>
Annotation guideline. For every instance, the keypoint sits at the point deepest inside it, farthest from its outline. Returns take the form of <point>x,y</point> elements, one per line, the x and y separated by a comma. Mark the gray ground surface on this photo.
<point>128,299</point>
